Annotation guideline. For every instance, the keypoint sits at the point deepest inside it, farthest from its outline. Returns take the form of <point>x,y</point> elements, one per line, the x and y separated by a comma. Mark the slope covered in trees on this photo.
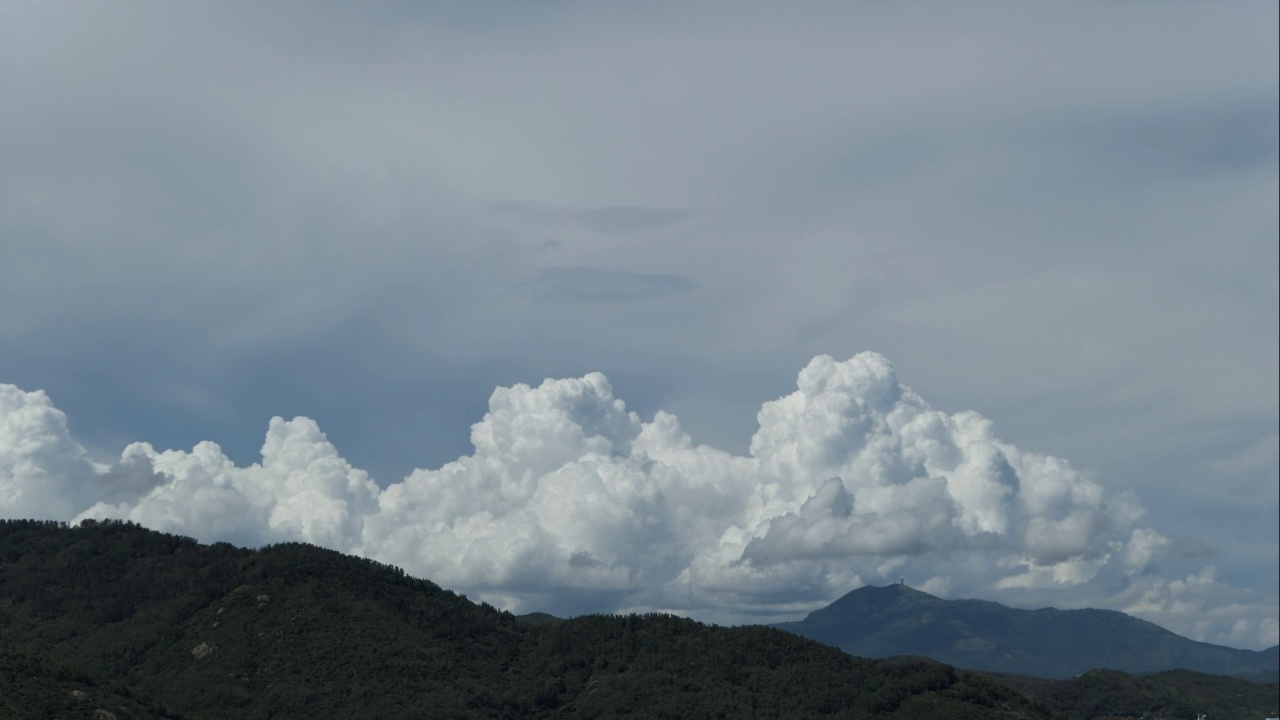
<point>33,685</point>
<point>1172,694</point>
<point>296,631</point>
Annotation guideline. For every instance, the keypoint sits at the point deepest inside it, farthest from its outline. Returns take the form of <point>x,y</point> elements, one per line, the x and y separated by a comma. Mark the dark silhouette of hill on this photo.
<point>294,631</point>
<point>976,634</point>
<point>539,618</point>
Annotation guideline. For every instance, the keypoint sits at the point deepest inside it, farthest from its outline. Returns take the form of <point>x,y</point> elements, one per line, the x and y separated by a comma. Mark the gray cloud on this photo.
<point>1171,143</point>
<point>600,285</point>
<point>623,219</point>
<point>211,214</point>
<point>613,220</point>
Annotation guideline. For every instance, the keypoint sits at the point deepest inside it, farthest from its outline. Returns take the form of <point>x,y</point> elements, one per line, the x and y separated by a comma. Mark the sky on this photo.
<point>716,308</point>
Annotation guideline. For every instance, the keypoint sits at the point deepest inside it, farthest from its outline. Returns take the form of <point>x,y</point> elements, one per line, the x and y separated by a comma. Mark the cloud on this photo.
<point>302,490</point>
<point>1258,455</point>
<point>595,285</point>
<point>305,189</point>
<point>571,502</point>
<point>1204,609</point>
<point>608,220</point>
<point>627,219</point>
<point>1185,141</point>
<point>43,472</point>
<point>1197,138</point>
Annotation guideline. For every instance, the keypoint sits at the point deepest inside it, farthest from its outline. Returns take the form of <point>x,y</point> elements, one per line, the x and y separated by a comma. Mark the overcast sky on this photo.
<point>983,295</point>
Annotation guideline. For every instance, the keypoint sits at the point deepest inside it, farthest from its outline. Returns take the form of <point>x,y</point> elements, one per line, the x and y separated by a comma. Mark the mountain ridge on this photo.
<point>884,621</point>
<point>297,631</point>
<point>111,617</point>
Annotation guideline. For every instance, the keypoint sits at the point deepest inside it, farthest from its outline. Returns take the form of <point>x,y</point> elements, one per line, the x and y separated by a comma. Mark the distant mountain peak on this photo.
<point>875,597</point>
<point>890,620</point>
<point>897,589</point>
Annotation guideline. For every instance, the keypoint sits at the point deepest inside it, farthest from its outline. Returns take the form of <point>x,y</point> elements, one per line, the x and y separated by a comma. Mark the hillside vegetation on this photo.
<point>108,620</point>
<point>36,686</point>
<point>296,631</point>
<point>1172,694</point>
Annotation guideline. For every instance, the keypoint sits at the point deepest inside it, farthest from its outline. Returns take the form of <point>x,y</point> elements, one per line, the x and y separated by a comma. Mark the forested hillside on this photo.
<point>1172,694</point>
<point>296,631</point>
<point>33,685</point>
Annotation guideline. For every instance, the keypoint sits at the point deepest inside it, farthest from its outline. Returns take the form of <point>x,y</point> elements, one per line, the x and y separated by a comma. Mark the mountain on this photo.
<point>539,618</point>
<point>111,617</point>
<point>897,620</point>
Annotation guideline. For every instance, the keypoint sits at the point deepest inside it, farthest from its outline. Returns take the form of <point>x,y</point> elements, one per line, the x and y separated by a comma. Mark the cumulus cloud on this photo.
<point>43,472</point>
<point>571,502</point>
<point>1205,609</point>
<point>302,490</point>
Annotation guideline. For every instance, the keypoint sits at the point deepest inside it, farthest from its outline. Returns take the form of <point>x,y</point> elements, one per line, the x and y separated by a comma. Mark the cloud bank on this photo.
<point>572,503</point>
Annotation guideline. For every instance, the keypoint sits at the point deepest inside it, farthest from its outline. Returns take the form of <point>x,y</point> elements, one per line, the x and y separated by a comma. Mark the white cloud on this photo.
<point>302,490</point>
<point>569,500</point>
<point>43,472</point>
<point>1202,608</point>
